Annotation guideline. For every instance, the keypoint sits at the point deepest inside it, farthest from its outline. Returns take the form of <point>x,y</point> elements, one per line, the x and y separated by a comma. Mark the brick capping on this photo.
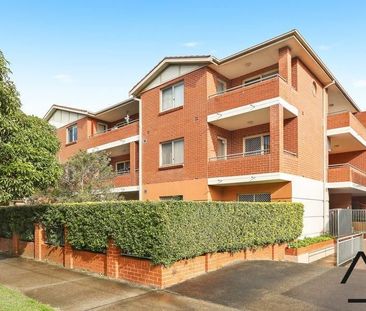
<point>114,264</point>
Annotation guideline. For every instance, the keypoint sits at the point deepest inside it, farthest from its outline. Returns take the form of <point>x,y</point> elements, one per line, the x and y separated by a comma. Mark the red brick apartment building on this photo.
<point>269,123</point>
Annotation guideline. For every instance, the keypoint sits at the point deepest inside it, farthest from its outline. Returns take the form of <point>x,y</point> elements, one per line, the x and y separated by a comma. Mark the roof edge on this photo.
<point>164,63</point>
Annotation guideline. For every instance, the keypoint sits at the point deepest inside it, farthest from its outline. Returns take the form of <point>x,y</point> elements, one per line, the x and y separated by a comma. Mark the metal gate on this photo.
<point>348,247</point>
<point>348,226</point>
<point>340,222</point>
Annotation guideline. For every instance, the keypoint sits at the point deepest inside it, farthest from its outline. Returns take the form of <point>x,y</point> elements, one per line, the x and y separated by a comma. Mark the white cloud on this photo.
<point>190,44</point>
<point>62,77</point>
<point>360,83</point>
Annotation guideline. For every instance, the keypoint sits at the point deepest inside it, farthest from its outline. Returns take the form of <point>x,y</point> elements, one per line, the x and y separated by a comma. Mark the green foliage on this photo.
<point>11,300</point>
<point>166,231</point>
<point>28,146</point>
<point>309,241</point>
<point>87,177</point>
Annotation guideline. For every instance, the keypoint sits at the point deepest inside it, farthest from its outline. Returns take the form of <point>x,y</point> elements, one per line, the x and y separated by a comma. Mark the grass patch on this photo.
<point>11,300</point>
<point>309,241</point>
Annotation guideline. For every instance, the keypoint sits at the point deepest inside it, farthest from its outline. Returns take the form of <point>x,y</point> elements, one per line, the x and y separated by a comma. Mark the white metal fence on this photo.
<point>348,247</point>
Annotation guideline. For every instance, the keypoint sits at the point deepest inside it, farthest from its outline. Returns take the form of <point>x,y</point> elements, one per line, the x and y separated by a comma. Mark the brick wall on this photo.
<point>137,270</point>
<point>310,126</point>
<point>188,122</point>
<point>340,200</point>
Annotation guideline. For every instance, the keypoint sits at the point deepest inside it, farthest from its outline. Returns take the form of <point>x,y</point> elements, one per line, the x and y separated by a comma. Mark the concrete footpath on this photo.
<point>252,285</point>
<point>70,290</point>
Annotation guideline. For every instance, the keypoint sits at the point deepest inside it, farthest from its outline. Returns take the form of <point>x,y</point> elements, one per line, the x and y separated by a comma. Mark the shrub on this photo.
<point>309,241</point>
<point>164,231</point>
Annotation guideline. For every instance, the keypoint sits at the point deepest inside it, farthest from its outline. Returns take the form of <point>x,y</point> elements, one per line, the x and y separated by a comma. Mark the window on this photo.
<point>172,97</point>
<point>258,197</point>
<point>257,145</point>
<point>72,134</point>
<point>101,127</point>
<point>220,86</point>
<point>261,77</point>
<point>172,198</point>
<point>221,148</point>
<point>123,167</point>
<point>172,152</point>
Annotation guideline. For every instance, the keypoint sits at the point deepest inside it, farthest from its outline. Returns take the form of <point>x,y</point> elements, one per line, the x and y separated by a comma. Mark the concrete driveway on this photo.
<point>269,285</point>
<point>254,285</point>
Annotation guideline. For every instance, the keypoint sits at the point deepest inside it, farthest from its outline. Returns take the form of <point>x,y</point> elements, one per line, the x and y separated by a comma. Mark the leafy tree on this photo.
<point>28,146</point>
<point>86,177</point>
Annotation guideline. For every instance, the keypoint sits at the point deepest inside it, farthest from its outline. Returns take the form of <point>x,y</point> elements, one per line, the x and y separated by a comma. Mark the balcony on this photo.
<point>346,133</point>
<point>243,95</point>
<point>123,133</point>
<point>126,179</point>
<point>346,178</point>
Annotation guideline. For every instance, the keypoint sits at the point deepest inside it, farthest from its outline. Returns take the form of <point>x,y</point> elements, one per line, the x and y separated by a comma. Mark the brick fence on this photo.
<point>138,270</point>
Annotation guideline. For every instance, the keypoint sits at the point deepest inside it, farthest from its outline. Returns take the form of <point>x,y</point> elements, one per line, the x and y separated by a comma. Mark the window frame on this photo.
<point>262,151</point>
<point>224,83</point>
<point>119,162</point>
<point>177,197</point>
<point>254,196</point>
<point>224,157</point>
<point>101,123</point>
<point>67,134</point>
<point>260,77</point>
<point>173,156</point>
<point>172,86</point>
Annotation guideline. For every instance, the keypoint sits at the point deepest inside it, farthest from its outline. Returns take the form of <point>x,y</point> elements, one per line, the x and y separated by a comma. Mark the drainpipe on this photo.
<point>326,160</point>
<point>140,147</point>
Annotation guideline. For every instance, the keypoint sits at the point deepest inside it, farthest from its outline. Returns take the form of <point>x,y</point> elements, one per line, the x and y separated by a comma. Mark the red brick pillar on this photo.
<point>113,253</point>
<point>39,240</point>
<point>285,64</point>
<point>15,244</point>
<point>276,136</point>
<point>68,253</point>
<point>133,162</point>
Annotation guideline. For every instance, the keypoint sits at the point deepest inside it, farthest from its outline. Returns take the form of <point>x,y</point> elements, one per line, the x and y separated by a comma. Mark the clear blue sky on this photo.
<point>89,54</point>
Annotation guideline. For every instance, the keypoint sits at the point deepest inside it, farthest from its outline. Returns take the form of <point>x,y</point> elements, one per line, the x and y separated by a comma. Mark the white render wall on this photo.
<point>310,192</point>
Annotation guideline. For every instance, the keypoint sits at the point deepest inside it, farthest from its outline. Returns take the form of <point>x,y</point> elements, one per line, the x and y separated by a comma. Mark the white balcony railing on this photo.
<point>240,155</point>
<point>116,127</point>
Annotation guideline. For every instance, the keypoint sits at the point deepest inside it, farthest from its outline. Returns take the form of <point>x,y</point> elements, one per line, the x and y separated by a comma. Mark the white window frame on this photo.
<point>119,162</point>
<point>262,151</point>
<point>224,83</point>
<point>173,92</point>
<point>104,124</point>
<point>161,153</point>
<point>224,157</point>
<point>260,76</point>
<point>67,134</point>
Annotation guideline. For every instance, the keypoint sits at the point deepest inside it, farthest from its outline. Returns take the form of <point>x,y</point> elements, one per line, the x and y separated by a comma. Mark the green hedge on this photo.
<point>309,241</point>
<point>164,231</point>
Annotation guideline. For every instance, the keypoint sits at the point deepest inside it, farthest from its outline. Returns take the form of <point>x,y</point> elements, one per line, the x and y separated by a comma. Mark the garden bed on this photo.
<point>310,249</point>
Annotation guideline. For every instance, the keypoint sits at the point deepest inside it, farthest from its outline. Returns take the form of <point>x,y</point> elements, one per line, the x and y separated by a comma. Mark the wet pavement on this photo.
<point>252,285</point>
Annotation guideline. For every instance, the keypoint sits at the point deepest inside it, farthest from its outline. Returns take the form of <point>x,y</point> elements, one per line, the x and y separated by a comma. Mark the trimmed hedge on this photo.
<point>164,231</point>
